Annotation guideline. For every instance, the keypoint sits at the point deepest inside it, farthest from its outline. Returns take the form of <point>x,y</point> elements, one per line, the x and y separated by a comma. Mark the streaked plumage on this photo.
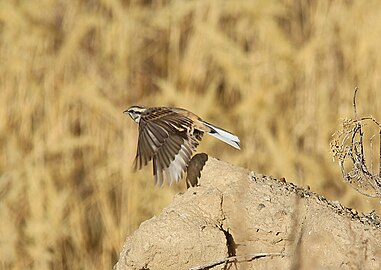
<point>168,136</point>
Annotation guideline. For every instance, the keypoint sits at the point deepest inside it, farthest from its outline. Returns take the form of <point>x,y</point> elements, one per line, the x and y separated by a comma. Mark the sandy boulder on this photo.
<point>258,221</point>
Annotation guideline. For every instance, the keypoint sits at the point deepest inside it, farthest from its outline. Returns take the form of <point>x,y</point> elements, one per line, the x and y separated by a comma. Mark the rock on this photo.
<point>261,222</point>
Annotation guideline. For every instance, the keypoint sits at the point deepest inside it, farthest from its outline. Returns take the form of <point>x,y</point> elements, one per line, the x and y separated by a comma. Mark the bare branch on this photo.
<point>348,146</point>
<point>242,258</point>
<point>354,103</point>
<point>379,172</point>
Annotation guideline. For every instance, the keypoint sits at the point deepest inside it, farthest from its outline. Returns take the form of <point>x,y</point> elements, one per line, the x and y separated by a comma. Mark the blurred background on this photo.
<point>279,74</point>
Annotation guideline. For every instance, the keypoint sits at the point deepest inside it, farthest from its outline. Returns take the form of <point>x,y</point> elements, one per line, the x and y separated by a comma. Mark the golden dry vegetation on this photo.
<point>280,74</point>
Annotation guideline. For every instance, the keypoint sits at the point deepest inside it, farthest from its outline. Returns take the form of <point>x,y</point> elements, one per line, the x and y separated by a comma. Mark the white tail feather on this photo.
<point>224,135</point>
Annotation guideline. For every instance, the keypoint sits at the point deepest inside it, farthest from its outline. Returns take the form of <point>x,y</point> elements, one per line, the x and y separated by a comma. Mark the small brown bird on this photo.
<point>168,136</point>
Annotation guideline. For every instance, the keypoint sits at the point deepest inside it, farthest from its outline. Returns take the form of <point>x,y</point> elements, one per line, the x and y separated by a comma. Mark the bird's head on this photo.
<point>135,112</point>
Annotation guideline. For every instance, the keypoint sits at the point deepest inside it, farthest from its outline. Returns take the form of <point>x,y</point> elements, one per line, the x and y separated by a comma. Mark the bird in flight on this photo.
<point>168,136</point>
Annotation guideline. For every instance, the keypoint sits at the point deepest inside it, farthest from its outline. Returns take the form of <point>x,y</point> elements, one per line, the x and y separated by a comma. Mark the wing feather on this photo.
<point>161,133</point>
<point>146,149</point>
<point>158,173</point>
<point>165,138</point>
<point>167,155</point>
<point>155,139</point>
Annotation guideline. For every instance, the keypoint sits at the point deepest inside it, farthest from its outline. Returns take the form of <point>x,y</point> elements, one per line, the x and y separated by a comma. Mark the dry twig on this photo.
<point>348,145</point>
<point>235,259</point>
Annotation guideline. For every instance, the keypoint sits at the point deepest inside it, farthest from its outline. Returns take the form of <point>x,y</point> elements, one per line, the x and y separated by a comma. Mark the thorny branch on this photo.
<point>348,146</point>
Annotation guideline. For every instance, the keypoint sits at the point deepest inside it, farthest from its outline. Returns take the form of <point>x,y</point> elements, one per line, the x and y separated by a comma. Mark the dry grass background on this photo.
<point>280,74</point>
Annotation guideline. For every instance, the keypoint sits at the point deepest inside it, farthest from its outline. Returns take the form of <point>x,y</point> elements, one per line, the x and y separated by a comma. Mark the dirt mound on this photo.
<point>261,222</point>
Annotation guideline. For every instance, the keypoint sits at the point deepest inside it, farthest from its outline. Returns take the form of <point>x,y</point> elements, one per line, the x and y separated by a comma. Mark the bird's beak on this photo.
<point>125,112</point>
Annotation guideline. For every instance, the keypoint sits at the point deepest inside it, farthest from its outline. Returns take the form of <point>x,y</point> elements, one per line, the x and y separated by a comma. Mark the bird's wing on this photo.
<point>165,137</point>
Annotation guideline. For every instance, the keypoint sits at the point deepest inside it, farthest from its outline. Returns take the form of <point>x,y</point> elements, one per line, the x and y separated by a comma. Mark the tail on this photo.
<point>223,135</point>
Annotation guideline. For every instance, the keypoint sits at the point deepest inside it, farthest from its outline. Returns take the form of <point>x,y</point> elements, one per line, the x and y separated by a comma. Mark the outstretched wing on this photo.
<point>165,137</point>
